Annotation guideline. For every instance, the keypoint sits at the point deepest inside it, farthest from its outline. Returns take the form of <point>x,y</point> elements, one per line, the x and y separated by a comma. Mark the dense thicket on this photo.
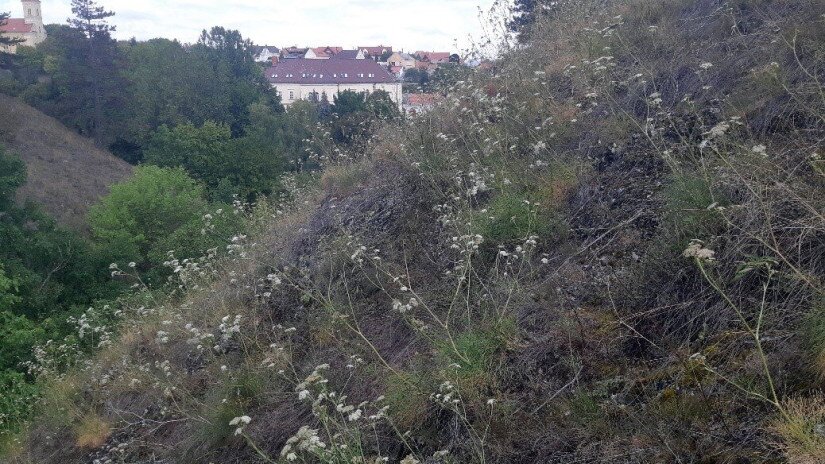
<point>47,275</point>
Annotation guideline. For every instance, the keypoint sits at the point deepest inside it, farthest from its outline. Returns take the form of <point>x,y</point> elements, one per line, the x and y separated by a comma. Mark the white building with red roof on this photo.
<point>28,29</point>
<point>313,79</point>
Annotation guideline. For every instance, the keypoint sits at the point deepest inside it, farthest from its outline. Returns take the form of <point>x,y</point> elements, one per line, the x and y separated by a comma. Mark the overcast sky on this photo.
<point>408,24</point>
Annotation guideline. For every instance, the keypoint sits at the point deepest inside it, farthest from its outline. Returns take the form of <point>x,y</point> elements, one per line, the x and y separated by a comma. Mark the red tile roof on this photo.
<point>15,25</point>
<point>434,57</point>
<point>328,72</point>
<point>376,51</point>
<point>327,51</point>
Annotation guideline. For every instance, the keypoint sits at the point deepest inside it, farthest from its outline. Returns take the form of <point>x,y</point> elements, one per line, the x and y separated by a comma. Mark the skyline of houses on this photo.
<point>396,62</point>
<point>321,73</point>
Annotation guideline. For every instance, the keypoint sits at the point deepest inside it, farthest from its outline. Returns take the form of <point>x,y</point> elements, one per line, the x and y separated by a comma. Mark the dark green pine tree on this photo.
<point>241,79</point>
<point>101,60</point>
<point>525,13</point>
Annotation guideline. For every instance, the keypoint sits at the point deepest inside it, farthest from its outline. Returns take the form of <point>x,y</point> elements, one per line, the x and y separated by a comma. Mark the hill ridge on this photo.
<point>67,173</point>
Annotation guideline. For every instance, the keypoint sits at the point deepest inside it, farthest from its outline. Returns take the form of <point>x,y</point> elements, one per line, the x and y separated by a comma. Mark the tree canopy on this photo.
<point>225,165</point>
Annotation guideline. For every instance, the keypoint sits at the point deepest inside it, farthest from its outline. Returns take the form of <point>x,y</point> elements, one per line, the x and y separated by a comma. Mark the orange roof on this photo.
<point>15,25</point>
<point>376,51</point>
<point>434,57</point>
<point>327,51</point>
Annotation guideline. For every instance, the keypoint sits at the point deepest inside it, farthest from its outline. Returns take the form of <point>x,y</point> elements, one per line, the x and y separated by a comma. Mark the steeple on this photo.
<point>33,15</point>
<point>31,12</point>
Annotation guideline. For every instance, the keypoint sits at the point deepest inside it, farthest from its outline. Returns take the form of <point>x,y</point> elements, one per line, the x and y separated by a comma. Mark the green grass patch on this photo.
<point>511,218</point>
<point>687,199</point>
<point>471,357</point>
<point>233,398</point>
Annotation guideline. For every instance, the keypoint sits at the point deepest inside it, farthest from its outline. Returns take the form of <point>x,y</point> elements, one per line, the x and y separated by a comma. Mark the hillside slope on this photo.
<point>67,173</point>
<point>610,249</point>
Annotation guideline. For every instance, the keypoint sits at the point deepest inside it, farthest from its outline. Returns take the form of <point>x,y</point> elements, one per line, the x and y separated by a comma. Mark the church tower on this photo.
<point>33,15</point>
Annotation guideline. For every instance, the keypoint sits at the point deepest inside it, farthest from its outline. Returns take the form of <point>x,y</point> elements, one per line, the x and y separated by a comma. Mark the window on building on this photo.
<point>291,95</point>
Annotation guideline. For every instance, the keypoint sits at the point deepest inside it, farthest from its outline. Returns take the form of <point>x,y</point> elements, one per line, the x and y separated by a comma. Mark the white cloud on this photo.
<point>408,24</point>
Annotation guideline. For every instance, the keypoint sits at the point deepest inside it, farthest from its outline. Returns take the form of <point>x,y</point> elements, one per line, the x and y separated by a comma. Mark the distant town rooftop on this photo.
<point>328,72</point>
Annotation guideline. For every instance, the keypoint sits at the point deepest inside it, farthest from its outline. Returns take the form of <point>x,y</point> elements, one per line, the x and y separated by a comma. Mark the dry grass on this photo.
<point>92,432</point>
<point>803,430</point>
<point>344,180</point>
<point>67,173</point>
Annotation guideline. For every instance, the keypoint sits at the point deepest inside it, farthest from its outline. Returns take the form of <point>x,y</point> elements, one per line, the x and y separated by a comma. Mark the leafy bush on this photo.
<point>157,211</point>
<point>226,166</point>
<point>7,288</point>
<point>17,397</point>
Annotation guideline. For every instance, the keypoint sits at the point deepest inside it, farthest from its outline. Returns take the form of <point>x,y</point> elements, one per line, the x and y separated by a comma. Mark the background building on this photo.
<point>29,29</point>
<point>307,79</point>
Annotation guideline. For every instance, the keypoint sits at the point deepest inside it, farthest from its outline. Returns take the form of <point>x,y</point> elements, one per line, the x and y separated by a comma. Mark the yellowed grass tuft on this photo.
<point>92,432</point>
<point>803,430</point>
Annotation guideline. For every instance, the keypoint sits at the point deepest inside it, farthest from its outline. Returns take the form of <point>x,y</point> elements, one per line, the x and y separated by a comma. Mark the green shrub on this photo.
<point>472,360</point>
<point>7,288</point>
<point>16,403</point>
<point>209,154</point>
<point>157,211</point>
<point>229,399</point>
<point>12,176</point>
